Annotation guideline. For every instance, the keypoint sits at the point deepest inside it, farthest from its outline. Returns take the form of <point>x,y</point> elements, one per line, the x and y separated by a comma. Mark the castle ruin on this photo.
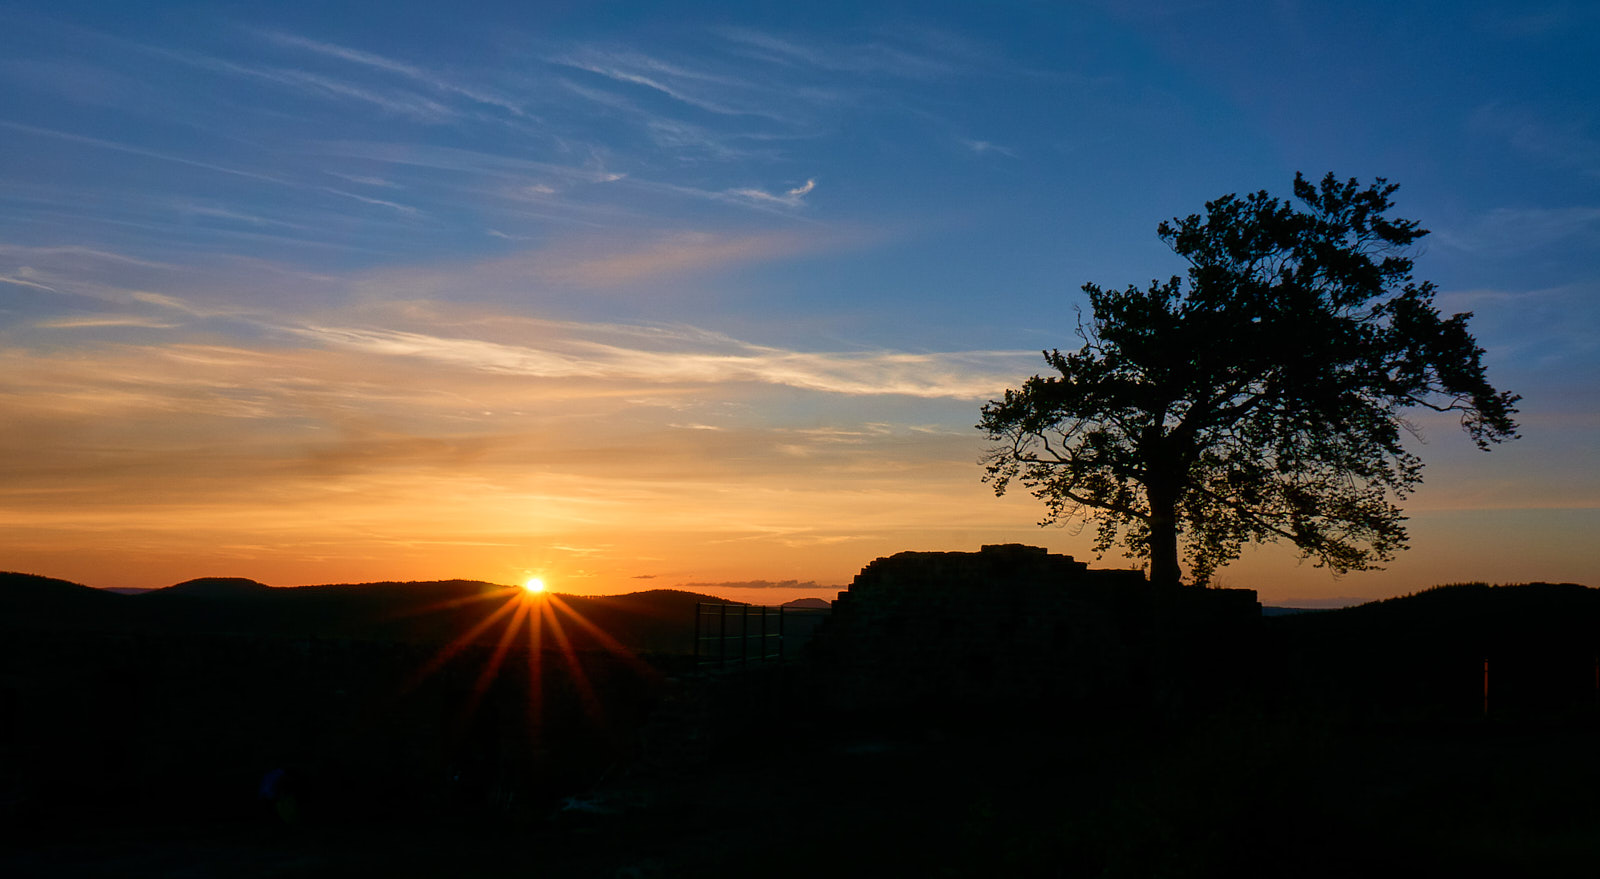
<point>1014,622</point>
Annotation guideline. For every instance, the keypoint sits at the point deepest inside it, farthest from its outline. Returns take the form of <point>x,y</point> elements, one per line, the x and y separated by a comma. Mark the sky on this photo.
<point>632,296</point>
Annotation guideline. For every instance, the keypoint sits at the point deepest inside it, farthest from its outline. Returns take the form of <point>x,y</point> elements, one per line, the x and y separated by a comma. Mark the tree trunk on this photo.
<point>1163,535</point>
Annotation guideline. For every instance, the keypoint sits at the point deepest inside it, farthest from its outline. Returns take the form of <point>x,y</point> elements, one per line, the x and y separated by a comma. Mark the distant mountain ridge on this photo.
<point>437,611</point>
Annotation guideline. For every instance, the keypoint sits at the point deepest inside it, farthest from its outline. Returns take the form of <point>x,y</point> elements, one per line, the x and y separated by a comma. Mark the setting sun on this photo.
<point>533,584</point>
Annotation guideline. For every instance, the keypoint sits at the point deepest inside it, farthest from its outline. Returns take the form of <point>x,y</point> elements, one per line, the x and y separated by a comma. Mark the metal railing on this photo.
<point>746,633</point>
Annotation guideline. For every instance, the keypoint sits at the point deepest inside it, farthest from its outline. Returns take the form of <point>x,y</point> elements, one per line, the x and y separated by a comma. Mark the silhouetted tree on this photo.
<point>1260,401</point>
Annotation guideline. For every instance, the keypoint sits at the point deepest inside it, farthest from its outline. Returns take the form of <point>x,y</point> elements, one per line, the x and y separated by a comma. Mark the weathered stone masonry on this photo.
<point>1015,621</point>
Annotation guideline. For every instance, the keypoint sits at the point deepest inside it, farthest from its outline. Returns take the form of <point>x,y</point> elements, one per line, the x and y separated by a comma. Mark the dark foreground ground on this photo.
<point>1226,796</point>
<point>1353,743</point>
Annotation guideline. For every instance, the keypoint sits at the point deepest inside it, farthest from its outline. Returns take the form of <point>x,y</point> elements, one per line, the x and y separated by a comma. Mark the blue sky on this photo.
<point>712,294</point>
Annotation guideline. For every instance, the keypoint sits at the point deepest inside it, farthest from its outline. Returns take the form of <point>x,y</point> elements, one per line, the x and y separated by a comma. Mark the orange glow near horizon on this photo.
<point>757,567</point>
<point>760,487</point>
<point>763,506</point>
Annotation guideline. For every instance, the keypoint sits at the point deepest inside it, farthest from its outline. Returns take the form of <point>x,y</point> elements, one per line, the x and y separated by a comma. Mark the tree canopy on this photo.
<point>1260,399</point>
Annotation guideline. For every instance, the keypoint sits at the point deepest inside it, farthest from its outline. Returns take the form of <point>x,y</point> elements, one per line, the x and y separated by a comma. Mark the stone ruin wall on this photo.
<point>1014,621</point>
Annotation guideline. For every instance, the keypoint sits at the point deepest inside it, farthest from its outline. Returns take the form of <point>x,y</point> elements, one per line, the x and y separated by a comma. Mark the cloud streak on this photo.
<point>94,321</point>
<point>792,198</point>
<point>1515,231</point>
<point>678,357</point>
<point>137,151</point>
<point>390,65</point>
<point>806,585</point>
<point>864,58</point>
<point>399,102</point>
<point>685,86</point>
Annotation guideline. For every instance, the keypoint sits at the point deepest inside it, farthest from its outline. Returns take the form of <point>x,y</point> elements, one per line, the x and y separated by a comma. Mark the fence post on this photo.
<point>1486,688</point>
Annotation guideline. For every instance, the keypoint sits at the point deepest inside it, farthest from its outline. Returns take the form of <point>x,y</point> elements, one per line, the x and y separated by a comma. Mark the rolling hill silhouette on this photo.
<point>1472,617</point>
<point>29,599</point>
<point>441,611</point>
<point>216,587</point>
<point>1425,653</point>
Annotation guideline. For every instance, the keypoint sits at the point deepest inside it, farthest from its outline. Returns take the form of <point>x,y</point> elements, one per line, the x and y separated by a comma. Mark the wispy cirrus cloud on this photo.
<point>712,93</point>
<point>134,149</point>
<point>666,131</point>
<point>674,254</point>
<point>218,211</point>
<point>458,159</point>
<point>408,210</point>
<point>808,585</point>
<point>364,180</point>
<point>1506,231</point>
<point>401,102</point>
<point>26,282</point>
<point>603,259</point>
<point>390,65</point>
<point>98,280</point>
<point>788,198</point>
<point>693,357</point>
<point>600,260</point>
<point>95,321</point>
<point>875,57</point>
<point>195,208</point>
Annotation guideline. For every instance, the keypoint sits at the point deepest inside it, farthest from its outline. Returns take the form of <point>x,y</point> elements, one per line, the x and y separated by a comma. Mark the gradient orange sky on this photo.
<point>712,302</point>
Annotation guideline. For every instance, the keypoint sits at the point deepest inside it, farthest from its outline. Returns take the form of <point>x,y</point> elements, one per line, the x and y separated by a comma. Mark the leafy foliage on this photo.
<point>1259,401</point>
